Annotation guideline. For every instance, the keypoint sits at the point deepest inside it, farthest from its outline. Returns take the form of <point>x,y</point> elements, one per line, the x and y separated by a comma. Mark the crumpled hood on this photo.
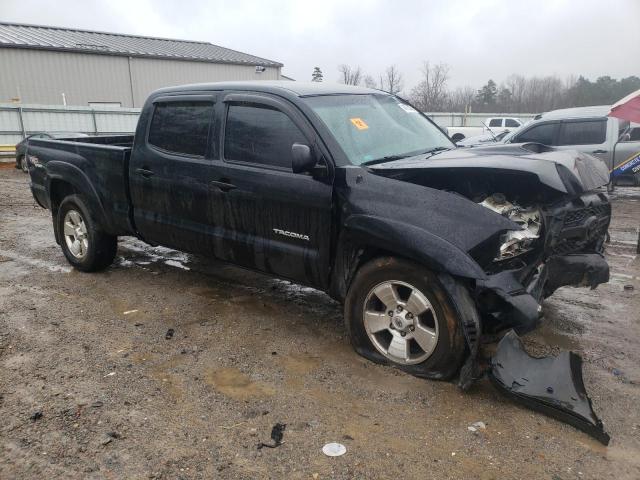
<point>567,171</point>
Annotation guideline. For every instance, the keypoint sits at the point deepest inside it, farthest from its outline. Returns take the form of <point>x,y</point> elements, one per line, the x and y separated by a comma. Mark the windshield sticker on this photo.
<point>359,123</point>
<point>407,108</point>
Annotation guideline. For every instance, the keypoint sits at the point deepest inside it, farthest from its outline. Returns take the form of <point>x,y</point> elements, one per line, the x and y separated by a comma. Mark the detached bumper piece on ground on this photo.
<point>551,385</point>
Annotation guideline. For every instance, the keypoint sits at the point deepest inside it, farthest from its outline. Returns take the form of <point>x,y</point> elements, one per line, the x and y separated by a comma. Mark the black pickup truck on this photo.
<point>349,190</point>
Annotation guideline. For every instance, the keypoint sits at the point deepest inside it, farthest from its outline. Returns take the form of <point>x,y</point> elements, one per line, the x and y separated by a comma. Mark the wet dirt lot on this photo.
<point>91,388</point>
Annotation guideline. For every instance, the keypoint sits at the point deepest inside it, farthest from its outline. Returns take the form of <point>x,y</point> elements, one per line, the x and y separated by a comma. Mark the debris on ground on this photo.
<point>37,415</point>
<point>128,312</point>
<point>334,449</point>
<point>169,334</point>
<point>277,432</point>
<point>474,427</point>
<point>110,374</point>
<point>628,287</point>
<point>551,385</point>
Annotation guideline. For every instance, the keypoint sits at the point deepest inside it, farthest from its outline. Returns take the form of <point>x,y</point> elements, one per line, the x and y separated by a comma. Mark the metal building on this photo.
<point>62,66</point>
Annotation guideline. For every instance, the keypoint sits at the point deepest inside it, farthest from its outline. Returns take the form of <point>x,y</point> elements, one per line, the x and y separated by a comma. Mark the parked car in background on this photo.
<point>588,130</point>
<point>495,125</point>
<point>484,139</point>
<point>21,148</point>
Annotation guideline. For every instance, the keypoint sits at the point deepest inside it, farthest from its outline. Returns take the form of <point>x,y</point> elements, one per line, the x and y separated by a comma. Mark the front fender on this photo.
<point>414,243</point>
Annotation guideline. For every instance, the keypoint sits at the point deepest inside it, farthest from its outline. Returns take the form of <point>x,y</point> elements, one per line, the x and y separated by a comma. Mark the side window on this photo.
<point>260,135</point>
<point>181,127</point>
<point>542,133</point>
<point>583,133</point>
<point>511,123</point>
<point>495,122</point>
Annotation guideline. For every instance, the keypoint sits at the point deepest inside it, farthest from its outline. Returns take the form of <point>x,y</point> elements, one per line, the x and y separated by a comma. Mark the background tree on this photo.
<point>370,82</point>
<point>350,75</point>
<point>431,95</point>
<point>391,81</point>
<point>316,76</point>
<point>487,95</point>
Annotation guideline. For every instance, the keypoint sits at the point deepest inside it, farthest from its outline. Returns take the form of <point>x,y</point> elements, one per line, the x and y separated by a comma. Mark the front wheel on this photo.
<point>24,166</point>
<point>397,313</point>
<point>85,245</point>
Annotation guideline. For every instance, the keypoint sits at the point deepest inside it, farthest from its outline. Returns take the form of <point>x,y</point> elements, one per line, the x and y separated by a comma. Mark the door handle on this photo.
<point>145,172</point>
<point>599,151</point>
<point>223,184</point>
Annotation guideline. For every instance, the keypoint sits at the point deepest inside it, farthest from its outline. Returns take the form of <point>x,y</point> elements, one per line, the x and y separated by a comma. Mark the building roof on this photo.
<point>15,35</point>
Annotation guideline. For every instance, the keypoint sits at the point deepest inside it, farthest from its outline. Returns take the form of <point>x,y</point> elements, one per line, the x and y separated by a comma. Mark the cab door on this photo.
<point>170,170</point>
<point>587,135</point>
<point>270,218</point>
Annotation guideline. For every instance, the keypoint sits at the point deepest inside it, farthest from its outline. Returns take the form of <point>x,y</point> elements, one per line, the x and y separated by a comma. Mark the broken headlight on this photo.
<point>515,242</point>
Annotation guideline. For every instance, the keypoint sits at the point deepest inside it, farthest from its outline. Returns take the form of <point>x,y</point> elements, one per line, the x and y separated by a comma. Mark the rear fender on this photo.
<point>72,175</point>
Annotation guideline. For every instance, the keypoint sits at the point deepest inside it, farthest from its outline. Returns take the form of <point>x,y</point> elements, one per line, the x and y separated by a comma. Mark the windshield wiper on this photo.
<point>435,151</point>
<point>388,158</point>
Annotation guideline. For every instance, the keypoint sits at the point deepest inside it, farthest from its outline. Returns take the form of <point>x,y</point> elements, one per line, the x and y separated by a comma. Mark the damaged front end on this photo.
<point>560,244</point>
<point>558,225</point>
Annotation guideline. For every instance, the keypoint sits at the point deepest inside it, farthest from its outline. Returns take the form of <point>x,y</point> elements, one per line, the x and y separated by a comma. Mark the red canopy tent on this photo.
<point>628,108</point>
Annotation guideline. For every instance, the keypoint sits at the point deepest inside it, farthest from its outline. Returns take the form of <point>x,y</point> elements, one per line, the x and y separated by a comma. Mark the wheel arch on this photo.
<point>365,237</point>
<point>63,181</point>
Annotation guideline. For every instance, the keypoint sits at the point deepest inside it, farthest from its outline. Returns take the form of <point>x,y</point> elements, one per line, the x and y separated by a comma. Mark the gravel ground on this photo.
<point>91,388</point>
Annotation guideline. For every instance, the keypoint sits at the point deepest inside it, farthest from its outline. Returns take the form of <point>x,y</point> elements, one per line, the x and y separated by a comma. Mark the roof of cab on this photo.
<point>299,89</point>
<point>578,112</point>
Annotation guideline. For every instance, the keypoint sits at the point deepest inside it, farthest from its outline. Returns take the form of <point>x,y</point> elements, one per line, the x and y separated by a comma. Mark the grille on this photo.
<point>577,217</point>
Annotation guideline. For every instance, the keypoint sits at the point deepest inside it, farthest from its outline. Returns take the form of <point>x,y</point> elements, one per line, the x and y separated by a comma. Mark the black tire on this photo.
<point>101,249</point>
<point>457,137</point>
<point>449,353</point>
<point>23,164</point>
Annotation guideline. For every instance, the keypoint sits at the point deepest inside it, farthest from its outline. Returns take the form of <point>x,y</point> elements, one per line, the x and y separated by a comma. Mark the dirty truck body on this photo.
<point>345,189</point>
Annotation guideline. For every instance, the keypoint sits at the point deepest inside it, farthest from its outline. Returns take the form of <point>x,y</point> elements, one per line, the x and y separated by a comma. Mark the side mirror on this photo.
<point>303,159</point>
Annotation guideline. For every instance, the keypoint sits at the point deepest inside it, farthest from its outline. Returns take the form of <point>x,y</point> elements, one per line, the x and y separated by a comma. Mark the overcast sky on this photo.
<point>479,39</point>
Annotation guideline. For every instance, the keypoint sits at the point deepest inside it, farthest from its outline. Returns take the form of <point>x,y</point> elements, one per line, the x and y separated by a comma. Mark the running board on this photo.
<point>551,385</point>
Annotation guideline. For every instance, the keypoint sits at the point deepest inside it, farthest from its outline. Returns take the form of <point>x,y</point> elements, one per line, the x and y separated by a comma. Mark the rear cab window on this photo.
<point>511,123</point>
<point>260,135</point>
<point>181,127</point>
<point>583,132</point>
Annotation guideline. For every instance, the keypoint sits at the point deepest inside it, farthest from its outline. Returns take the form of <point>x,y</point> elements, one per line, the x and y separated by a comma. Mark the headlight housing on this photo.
<point>514,243</point>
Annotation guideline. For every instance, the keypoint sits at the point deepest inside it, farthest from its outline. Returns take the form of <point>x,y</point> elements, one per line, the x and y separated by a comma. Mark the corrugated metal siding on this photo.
<point>151,74</point>
<point>37,76</point>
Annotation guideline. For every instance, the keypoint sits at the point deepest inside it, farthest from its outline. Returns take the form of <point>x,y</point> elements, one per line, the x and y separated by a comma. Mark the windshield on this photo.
<point>374,127</point>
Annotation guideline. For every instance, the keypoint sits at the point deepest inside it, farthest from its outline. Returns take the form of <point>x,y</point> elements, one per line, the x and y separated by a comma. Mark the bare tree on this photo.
<point>430,95</point>
<point>391,81</point>
<point>461,99</point>
<point>370,82</point>
<point>350,75</point>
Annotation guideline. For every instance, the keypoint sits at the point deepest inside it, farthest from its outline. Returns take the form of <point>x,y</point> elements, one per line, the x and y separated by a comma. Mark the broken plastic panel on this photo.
<point>551,385</point>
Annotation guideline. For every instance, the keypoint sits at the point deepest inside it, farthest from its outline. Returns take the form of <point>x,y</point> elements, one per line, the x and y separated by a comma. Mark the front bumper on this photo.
<point>513,298</point>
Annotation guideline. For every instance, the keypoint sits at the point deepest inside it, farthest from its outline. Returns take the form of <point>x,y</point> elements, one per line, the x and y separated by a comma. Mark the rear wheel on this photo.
<point>398,314</point>
<point>85,245</point>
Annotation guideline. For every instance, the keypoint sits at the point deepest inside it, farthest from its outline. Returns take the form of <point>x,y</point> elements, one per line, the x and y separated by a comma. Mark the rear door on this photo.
<point>588,136</point>
<point>272,219</point>
<point>169,173</point>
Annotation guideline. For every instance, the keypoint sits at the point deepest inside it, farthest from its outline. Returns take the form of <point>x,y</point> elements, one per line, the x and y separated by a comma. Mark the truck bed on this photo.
<point>97,164</point>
